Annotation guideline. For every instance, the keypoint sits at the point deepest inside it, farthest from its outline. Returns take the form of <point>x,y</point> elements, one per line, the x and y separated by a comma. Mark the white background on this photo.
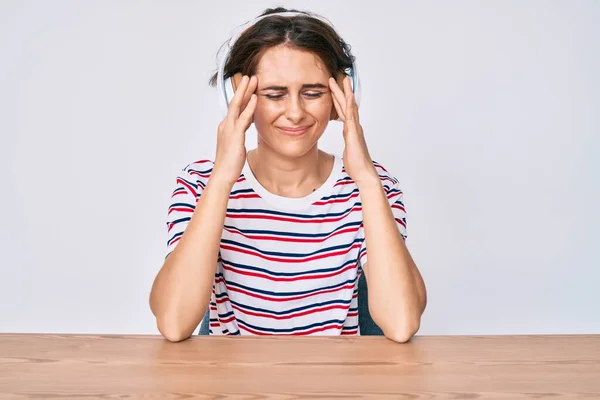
<point>487,112</point>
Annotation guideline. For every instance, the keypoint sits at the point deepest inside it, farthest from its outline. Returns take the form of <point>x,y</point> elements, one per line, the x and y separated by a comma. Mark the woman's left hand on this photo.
<point>357,160</point>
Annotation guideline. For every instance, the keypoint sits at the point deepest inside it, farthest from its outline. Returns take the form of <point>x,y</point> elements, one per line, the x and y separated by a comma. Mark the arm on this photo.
<point>182,288</point>
<point>396,290</point>
<point>397,295</point>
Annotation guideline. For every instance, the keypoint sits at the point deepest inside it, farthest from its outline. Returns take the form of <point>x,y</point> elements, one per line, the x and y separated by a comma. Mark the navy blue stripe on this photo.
<point>226,315</point>
<point>234,192</point>
<point>292,255</point>
<point>285,294</point>
<point>193,207</point>
<point>174,237</point>
<point>207,171</point>
<point>176,221</point>
<point>284,214</point>
<point>290,330</point>
<point>293,234</point>
<point>292,310</point>
<point>342,195</point>
<point>287,274</point>
<point>195,185</point>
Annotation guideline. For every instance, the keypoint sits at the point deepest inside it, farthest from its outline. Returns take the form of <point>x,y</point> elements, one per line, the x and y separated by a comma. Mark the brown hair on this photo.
<point>303,32</point>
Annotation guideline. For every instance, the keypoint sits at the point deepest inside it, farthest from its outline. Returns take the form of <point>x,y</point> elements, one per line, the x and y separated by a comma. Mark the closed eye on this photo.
<point>312,95</point>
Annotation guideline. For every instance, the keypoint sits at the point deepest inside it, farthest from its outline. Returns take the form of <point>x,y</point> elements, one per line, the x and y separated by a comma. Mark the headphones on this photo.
<point>226,88</point>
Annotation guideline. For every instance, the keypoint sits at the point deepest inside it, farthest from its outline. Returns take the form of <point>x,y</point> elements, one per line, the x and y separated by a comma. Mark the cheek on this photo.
<point>322,108</point>
<point>266,107</point>
<point>268,111</point>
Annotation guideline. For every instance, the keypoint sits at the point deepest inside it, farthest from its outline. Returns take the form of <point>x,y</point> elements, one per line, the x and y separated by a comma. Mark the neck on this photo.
<point>287,176</point>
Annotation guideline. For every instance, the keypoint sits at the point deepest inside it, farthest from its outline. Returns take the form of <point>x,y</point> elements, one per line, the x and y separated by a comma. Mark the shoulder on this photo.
<point>388,180</point>
<point>198,170</point>
<point>204,165</point>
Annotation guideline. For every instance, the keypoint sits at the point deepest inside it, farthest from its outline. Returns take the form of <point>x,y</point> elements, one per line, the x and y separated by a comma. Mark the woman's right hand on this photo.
<point>231,133</point>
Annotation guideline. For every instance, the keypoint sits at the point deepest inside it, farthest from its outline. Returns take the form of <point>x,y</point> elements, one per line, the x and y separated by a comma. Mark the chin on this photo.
<point>289,148</point>
<point>293,150</point>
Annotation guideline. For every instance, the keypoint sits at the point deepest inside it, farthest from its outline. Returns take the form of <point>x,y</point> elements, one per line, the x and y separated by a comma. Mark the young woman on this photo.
<point>274,240</point>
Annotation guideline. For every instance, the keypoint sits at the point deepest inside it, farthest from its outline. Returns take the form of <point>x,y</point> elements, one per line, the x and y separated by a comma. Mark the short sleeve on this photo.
<point>396,200</point>
<point>189,186</point>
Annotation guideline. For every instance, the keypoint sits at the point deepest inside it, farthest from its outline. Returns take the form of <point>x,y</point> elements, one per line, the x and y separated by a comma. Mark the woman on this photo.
<point>274,240</point>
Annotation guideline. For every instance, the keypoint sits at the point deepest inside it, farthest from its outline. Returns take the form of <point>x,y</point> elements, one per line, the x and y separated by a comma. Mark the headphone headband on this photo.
<point>225,86</point>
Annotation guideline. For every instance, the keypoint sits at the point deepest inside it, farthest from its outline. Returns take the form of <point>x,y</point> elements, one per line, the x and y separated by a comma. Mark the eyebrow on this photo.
<point>305,86</point>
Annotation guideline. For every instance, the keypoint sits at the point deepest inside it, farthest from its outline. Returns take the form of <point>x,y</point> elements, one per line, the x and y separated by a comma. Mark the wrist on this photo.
<point>220,182</point>
<point>368,180</point>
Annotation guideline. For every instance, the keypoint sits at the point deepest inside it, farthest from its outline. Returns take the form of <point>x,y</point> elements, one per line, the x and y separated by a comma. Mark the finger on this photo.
<point>247,115</point>
<point>339,96</point>
<point>338,109</point>
<point>252,84</point>
<point>351,106</point>
<point>234,107</point>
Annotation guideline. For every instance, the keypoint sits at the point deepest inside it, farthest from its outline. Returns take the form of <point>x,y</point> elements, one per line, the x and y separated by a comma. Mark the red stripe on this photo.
<point>400,222</point>
<point>187,185</point>
<point>277,299</point>
<point>178,192</point>
<point>175,241</point>
<point>299,314</point>
<point>227,320</point>
<point>398,206</point>
<point>320,329</point>
<point>380,167</point>
<point>341,183</point>
<point>286,279</point>
<point>292,239</point>
<point>187,209</point>
<point>206,176</point>
<point>388,179</point>
<point>337,200</point>
<point>311,221</point>
<point>300,260</point>
<point>244,196</point>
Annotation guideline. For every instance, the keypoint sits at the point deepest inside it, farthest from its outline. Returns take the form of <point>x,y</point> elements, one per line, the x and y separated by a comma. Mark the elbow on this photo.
<point>400,330</point>
<point>172,331</point>
<point>401,334</point>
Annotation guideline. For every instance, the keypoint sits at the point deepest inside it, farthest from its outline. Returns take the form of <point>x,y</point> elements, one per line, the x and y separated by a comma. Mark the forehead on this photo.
<point>283,64</point>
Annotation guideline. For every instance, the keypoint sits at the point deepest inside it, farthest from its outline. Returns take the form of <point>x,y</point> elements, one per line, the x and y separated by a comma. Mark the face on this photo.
<point>294,100</point>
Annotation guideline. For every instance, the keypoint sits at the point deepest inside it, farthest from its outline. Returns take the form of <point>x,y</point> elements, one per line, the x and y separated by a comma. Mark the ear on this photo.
<point>340,81</point>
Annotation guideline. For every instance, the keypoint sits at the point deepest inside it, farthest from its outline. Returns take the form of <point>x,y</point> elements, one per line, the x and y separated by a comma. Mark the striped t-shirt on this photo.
<point>285,265</point>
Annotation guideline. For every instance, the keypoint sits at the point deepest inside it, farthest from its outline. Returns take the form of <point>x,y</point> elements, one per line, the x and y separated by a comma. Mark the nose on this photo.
<point>294,111</point>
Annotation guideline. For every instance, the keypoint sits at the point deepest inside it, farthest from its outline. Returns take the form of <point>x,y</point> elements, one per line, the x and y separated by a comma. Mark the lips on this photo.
<point>294,131</point>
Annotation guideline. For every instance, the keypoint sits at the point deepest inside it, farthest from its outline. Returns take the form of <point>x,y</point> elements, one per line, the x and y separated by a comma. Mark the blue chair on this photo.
<point>367,326</point>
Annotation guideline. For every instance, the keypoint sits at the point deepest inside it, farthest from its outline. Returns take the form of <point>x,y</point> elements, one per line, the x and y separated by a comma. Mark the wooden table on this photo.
<point>449,367</point>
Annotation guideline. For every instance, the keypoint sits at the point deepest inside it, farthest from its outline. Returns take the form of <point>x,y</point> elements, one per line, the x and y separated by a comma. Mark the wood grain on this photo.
<point>429,367</point>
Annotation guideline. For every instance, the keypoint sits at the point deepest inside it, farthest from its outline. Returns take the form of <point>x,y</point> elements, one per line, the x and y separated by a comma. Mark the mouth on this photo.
<point>294,131</point>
